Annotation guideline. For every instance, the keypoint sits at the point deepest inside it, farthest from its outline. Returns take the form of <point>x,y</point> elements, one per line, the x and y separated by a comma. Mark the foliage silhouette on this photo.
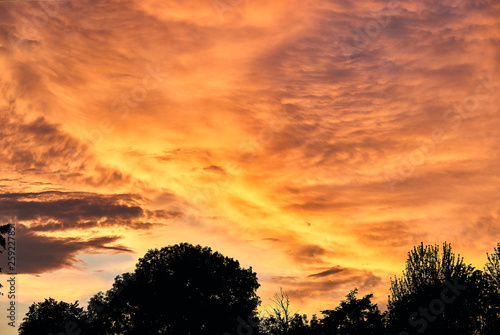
<point>491,275</point>
<point>4,229</point>
<point>180,289</point>
<point>281,320</point>
<point>299,325</point>
<point>437,294</point>
<point>52,317</point>
<point>353,316</point>
<point>190,290</point>
<point>280,317</point>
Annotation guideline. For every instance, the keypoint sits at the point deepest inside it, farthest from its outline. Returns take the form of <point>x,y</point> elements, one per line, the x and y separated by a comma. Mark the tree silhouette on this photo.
<point>106,313</point>
<point>180,289</point>
<point>52,317</point>
<point>491,275</point>
<point>4,229</point>
<point>190,290</point>
<point>280,316</point>
<point>438,293</point>
<point>281,320</point>
<point>299,325</point>
<point>492,268</point>
<point>353,316</point>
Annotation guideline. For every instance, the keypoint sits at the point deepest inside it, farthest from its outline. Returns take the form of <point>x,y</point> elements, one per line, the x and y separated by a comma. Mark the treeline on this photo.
<point>190,290</point>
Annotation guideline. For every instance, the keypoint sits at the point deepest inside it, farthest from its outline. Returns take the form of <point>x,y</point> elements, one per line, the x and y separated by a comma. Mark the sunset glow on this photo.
<point>316,141</point>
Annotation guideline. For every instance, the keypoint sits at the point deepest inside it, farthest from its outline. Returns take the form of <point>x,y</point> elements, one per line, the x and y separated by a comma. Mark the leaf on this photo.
<point>5,228</point>
<point>2,243</point>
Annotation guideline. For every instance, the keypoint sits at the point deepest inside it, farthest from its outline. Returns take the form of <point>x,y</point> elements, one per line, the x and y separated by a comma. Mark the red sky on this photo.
<point>316,141</point>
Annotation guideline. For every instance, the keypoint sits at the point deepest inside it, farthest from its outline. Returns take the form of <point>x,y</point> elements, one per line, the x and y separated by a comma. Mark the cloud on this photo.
<point>216,169</point>
<point>39,147</point>
<point>273,126</point>
<point>52,211</point>
<point>333,282</point>
<point>36,254</point>
<point>40,216</point>
<point>308,253</point>
<point>334,270</point>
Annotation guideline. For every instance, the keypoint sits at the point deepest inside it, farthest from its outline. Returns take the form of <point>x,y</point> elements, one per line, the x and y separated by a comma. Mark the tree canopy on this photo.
<point>52,317</point>
<point>191,290</point>
<point>437,293</point>
<point>353,316</point>
<point>180,289</point>
<point>492,292</point>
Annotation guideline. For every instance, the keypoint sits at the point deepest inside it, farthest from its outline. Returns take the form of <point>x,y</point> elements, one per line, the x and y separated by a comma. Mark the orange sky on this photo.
<point>316,141</point>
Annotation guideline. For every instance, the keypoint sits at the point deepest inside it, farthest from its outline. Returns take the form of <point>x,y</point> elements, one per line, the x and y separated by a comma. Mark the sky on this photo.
<point>316,141</point>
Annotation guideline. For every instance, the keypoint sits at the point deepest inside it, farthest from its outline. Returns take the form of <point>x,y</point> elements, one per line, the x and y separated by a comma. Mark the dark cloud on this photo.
<point>162,214</point>
<point>39,214</point>
<point>37,254</point>
<point>272,239</point>
<point>216,169</point>
<point>336,280</point>
<point>334,270</point>
<point>391,234</point>
<point>308,253</point>
<point>39,147</point>
<point>51,210</point>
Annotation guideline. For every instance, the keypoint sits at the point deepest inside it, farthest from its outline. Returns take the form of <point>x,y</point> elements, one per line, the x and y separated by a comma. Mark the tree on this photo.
<point>180,289</point>
<point>299,325</point>
<point>353,316</point>
<point>52,317</point>
<point>3,231</point>
<point>280,317</point>
<point>315,325</point>
<point>492,268</point>
<point>281,320</point>
<point>437,293</point>
<point>105,313</point>
<point>491,274</point>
